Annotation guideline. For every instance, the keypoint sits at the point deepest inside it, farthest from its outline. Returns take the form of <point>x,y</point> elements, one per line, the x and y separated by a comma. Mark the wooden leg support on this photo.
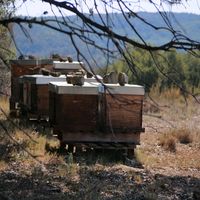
<point>70,148</point>
<point>130,153</point>
<point>62,147</point>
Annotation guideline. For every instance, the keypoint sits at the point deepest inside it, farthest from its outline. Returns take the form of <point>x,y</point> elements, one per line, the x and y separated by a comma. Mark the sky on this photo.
<point>37,7</point>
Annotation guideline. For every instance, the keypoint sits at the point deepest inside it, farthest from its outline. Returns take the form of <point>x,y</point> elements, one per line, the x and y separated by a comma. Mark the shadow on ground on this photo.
<point>97,182</point>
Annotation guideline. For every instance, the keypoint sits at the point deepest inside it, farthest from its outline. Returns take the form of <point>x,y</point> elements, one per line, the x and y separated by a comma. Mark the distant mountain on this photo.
<point>45,41</point>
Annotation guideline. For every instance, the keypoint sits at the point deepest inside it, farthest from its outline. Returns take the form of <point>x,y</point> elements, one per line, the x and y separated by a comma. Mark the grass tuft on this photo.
<point>169,139</point>
<point>168,142</point>
<point>4,105</point>
<point>184,136</point>
<point>3,165</point>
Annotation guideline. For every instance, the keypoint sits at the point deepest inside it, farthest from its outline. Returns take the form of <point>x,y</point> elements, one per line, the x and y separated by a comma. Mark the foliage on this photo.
<point>5,40</point>
<point>193,71</point>
<point>178,70</point>
<point>173,71</point>
<point>6,48</point>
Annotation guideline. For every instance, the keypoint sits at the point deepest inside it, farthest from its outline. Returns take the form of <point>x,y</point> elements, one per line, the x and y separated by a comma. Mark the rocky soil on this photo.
<point>117,181</point>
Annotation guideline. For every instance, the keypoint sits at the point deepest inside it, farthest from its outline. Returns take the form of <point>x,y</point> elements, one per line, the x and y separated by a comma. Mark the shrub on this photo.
<point>184,136</point>
<point>168,142</point>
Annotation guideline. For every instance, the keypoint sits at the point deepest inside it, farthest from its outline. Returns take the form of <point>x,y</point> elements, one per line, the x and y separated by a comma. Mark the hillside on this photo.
<point>45,41</point>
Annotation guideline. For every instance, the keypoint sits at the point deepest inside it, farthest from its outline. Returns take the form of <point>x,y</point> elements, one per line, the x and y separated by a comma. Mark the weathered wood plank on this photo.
<point>36,99</point>
<point>106,145</point>
<point>18,70</point>
<point>123,112</point>
<point>52,108</point>
<point>99,137</point>
<point>77,112</point>
<point>42,100</point>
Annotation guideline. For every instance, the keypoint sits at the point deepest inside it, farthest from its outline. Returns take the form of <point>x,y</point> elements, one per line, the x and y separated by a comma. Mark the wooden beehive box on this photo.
<point>74,111</point>
<point>122,108</point>
<point>73,108</point>
<point>24,67</point>
<point>36,94</point>
<point>83,114</point>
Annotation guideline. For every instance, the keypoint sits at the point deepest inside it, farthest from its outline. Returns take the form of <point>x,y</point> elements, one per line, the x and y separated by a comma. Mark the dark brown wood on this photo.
<point>43,100</point>
<point>123,112</point>
<point>106,145</point>
<point>52,108</point>
<point>99,137</point>
<point>36,99</point>
<point>97,120</point>
<point>27,96</point>
<point>18,70</point>
<point>75,112</point>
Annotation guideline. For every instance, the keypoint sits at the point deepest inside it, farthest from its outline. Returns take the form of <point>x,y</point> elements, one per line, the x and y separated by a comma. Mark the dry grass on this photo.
<point>3,165</point>
<point>35,143</point>
<point>4,105</point>
<point>184,136</point>
<point>173,105</point>
<point>172,141</point>
<point>36,146</point>
<point>144,156</point>
<point>170,95</point>
<point>168,142</point>
<point>29,152</point>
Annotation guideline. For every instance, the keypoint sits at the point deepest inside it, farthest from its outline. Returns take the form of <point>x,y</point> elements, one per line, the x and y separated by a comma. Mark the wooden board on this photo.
<point>42,100</point>
<point>74,112</point>
<point>52,108</point>
<point>36,99</point>
<point>123,112</point>
<point>18,70</point>
<point>105,145</point>
<point>27,95</point>
<point>15,92</point>
<point>98,137</point>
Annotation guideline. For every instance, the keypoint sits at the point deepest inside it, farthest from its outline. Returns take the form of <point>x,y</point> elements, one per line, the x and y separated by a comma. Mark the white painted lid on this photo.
<point>65,88</point>
<point>126,89</point>
<point>40,79</point>
<point>93,79</point>
<point>67,65</point>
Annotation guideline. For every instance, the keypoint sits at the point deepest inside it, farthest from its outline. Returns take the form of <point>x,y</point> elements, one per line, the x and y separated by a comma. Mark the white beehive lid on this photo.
<point>93,79</point>
<point>67,65</point>
<point>128,89</point>
<point>65,88</point>
<point>40,79</point>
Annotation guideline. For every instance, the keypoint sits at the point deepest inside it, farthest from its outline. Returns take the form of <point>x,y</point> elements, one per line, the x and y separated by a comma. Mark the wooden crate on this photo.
<point>36,94</point>
<point>122,108</point>
<point>24,67</point>
<point>73,108</point>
